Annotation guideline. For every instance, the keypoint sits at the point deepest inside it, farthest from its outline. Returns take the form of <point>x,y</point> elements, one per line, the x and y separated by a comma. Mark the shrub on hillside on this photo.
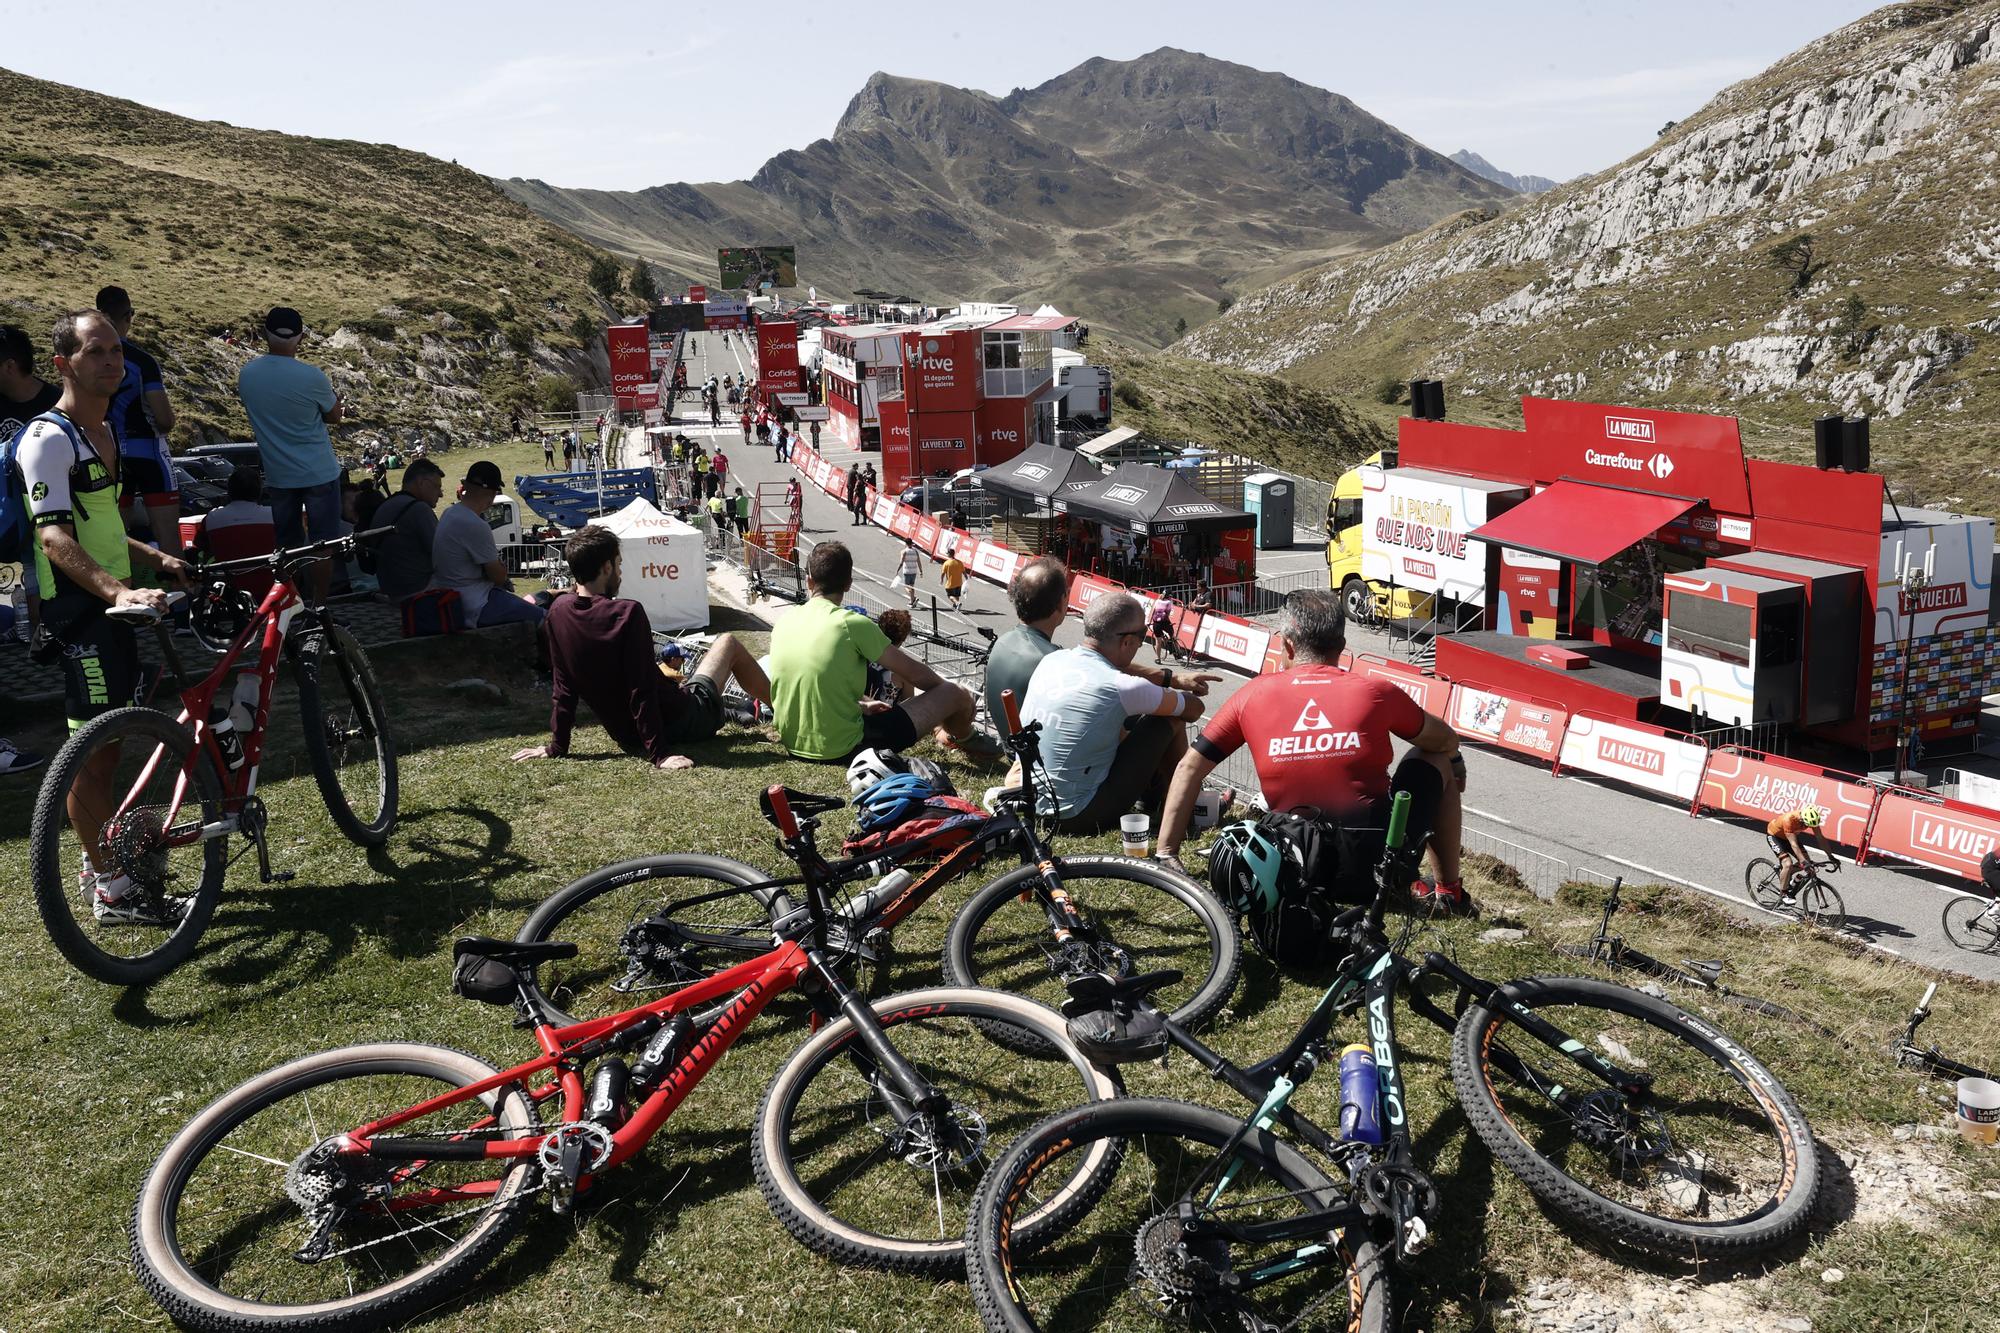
<point>1128,393</point>
<point>381,330</point>
<point>603,277</point>
<point>556,393</point>
<point>1389,390</point>
<point>520,335</point>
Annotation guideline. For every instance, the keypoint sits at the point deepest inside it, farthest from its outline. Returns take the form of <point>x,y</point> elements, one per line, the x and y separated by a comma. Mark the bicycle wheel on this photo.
<point>627,952</point>
<point>1969,925</point>
<point>1716,1159</point>
<point>851,1182</point>
<point>127,771</point>
<point>246,1220</point>
<point>1821,904</point>
<point>347,734</point>
<point>1139,918</point>
<point>1125,1265</point>
<point>1760,877</point>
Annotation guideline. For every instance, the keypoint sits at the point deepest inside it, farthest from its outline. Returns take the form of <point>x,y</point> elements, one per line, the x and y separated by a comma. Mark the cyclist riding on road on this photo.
<point>1783,834</point>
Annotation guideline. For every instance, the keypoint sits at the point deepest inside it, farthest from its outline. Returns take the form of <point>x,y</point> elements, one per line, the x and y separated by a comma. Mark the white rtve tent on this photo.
<point>665,568</point>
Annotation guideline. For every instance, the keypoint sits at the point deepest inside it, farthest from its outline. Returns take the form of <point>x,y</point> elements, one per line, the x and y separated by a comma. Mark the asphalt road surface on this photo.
<point>1549,827</point>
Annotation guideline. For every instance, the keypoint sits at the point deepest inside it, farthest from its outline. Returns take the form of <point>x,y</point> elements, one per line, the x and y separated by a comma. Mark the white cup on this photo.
<point>1136,830</point>
<point>1979,1110</point>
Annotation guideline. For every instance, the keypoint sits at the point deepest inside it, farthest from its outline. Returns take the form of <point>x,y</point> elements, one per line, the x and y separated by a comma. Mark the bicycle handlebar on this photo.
<point>277,559</point>
<point>1012,708</point>
<point>144,615</point>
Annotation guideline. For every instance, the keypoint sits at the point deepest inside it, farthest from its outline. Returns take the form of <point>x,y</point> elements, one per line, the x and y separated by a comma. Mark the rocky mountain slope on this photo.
<point>1479,166</point>
<point>1824,236</point>
<point>435,302</point>
<point>1138,193</point>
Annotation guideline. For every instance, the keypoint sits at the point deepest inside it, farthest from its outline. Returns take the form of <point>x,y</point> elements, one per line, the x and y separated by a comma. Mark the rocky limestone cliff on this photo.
<point>1824,236</point>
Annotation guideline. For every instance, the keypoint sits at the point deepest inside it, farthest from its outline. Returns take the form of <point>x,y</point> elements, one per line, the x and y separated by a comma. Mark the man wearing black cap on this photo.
<point>141,416</point>
<point>290,404</point>
<point>464,556</point>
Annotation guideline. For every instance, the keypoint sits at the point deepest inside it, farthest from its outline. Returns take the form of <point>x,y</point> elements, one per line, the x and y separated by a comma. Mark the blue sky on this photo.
<point>625,95</point>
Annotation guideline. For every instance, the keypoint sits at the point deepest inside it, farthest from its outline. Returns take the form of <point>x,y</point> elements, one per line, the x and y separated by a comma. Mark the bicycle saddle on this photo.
<point>1094,990</point>
<point>804,804</point>
<point>514,953</point>
<point>1709,968</point>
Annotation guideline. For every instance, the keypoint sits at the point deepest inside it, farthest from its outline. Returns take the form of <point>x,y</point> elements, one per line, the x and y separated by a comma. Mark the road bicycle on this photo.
<point>1929,1059</point>
<point>1812,899</point>
<point>356,1187</point>
<point>1972,924</point>
<point>1704,974</point>
<point>1030,931</point>
<point>163,792</point>
<point>1640,1123</point>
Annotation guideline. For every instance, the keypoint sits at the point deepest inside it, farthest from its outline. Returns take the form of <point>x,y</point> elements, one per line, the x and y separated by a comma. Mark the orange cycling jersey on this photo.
<point>1786,824</point>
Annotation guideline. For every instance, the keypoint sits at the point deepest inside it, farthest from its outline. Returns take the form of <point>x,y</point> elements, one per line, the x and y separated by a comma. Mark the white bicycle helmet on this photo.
<point>871,766</point>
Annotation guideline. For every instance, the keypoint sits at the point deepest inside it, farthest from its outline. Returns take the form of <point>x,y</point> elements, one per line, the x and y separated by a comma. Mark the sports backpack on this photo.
<point>1328,868</point>
<point>16,527</point>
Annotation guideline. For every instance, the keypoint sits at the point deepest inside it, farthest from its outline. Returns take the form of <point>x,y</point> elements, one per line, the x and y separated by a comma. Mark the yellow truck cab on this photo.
<point>1367,602</point>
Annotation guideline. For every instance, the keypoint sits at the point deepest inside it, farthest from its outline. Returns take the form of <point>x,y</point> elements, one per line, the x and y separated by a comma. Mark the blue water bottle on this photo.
<point>1360,1096</point>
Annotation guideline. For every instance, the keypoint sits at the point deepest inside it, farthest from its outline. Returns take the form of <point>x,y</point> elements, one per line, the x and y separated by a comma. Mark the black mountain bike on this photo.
<point>1705,974</point>
<point>650,924</point>
<point>1928,1058</point>
<point>1634,1119</point>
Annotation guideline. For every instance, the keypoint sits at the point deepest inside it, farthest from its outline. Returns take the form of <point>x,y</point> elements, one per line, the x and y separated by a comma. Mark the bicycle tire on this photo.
<point>356,676</point>
<point>860,1242</point>
<point>1764,1224</point>
<point>564,906</point>
<point>1961,921</point>
<point>1191,1003</point>
<point>1821,905</point>
<point>1358,599</point>
<point>158,1236</point>
<point>121,726</point>
<point>1760,877</point>
<point>998,1254</point>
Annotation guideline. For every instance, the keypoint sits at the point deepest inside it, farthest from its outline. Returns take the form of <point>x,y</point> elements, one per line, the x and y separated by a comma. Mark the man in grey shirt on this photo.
<point>464,556</point>
<point>403,560</point>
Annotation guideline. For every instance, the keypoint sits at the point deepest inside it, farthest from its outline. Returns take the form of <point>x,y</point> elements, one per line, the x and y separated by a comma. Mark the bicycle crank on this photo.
<point>568,1153</point>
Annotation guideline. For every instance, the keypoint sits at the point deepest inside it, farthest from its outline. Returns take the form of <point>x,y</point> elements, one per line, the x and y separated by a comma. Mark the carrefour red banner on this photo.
<point>631,369</point>
<point>1945,835</point>
<point>1764,787</point>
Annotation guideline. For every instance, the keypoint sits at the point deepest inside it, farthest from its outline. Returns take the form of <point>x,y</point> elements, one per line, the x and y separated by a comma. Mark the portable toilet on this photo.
<point>1268,497</point>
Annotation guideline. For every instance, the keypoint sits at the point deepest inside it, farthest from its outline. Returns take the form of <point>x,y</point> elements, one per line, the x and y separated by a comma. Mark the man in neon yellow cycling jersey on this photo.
<point>69,464</point>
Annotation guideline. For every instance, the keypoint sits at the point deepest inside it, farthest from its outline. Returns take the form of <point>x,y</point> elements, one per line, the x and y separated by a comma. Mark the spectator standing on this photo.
<point>795,500</point>
<point>1349,781</point>
<point>908,565</point>
<point>601,653</point>
<point>819,677</point>
<point>718,518</point>
<point>742,504</point>
<point>745,419</point>
<point>465,557</point>
<point>815,434</point>
<point>141,416</point>
<point>69,464</point>
<point>1098,767</point>
<point>699,464</point>
<point>403,560</point>
<point>569,450</point>
<point>857,505</point>
<point>290,404</point>
<point>548,451</point>
<point>241,529</point>
<point>718,468</point>
<point>952,574</point>
<point>24,395</point>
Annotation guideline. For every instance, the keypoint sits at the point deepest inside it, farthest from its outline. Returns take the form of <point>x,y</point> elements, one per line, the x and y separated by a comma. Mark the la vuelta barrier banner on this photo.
<point>1532,729</point>
<point>883,512</point>
<point>1949,836</point>
<point>903,523</point>
<point>927,534</point>
<point>1430,693</point>
<point>993,561</point>
<point>1233,641</point>
<point>1762,787</point>
<point>1087,588</point>
<point>1659,763</point>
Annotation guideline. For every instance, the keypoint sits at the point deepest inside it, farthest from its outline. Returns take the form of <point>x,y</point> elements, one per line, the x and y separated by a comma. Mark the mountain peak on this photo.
<point>1479,166</point>
<point>893,99</point>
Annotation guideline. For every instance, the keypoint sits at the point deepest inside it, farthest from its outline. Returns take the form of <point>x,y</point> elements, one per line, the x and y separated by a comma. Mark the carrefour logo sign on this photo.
<point>1660,465</point>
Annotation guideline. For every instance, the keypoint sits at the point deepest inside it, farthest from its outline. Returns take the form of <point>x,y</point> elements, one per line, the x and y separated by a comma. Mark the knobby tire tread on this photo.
<point>312,662</point>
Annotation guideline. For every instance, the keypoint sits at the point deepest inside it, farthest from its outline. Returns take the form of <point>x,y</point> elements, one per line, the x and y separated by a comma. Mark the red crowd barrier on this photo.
<point>1951,836</point>
<point>1431,692</point>
<point>1668,762</point>
<point>1521,723</point>
<point>1763,786</point>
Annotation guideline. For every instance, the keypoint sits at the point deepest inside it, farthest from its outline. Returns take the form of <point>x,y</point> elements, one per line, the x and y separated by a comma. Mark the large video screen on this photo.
<point>682,317</point>
<point>1624,594</point>
<point>757,268</point>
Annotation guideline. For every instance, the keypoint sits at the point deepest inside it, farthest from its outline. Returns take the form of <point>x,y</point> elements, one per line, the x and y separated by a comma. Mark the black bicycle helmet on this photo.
<point>1989,870</point>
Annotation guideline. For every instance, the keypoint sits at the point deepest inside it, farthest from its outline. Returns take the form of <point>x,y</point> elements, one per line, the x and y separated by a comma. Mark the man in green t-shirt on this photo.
<point>820,655</point>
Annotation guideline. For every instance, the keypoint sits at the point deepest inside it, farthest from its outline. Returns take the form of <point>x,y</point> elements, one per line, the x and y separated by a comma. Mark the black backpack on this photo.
<point>1328,868</point>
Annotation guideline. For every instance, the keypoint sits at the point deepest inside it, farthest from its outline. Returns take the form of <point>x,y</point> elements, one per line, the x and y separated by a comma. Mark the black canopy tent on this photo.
<point>1150,501</point>
<point>1037,474</point>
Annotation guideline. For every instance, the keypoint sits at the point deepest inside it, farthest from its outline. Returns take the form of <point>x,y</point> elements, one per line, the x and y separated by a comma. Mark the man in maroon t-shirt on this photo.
<point>601,652</point>
<point>1319,737</point>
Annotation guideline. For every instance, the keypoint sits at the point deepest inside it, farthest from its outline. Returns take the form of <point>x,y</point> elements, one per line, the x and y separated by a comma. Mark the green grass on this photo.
<point>358,949</point>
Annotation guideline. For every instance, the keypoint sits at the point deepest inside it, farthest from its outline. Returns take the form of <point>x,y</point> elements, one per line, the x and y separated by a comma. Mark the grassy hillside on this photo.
<point>1822,237</point>
<point>433,300</point>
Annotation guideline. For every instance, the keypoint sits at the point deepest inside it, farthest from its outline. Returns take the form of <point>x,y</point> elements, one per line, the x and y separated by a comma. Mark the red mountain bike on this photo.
<point>155,797</point>
<point>356,1187</point>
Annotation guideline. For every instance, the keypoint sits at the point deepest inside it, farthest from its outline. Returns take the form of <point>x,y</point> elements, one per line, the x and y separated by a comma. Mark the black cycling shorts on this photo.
<point>100,660</point>
<point>1779,846</point>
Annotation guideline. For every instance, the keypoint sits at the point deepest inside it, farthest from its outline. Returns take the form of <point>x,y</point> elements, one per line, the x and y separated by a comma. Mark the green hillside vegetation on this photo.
<point>426,290</point>
<point>1821,237</point>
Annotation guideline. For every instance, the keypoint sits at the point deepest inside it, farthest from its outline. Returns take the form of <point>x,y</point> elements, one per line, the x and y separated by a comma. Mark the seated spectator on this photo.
<point>242,528</point>
<point>1040,593</point>
<point>883,683</point>
<point>601,652</point>
<point>465,557</point>
<point>1349,781</point>
<point>820,654</point>
<point>1098,766</point>
<point>403,558</point>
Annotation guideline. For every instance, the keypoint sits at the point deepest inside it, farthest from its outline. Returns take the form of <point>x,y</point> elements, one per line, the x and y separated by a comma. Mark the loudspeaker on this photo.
<point>1417,398</point>
<point>1854,444</point>
<point>1434,399</point>
<point>1826,441</point>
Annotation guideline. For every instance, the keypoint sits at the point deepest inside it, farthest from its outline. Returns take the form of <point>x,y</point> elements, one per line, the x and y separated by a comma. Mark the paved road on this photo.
<point>1514,808</point>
